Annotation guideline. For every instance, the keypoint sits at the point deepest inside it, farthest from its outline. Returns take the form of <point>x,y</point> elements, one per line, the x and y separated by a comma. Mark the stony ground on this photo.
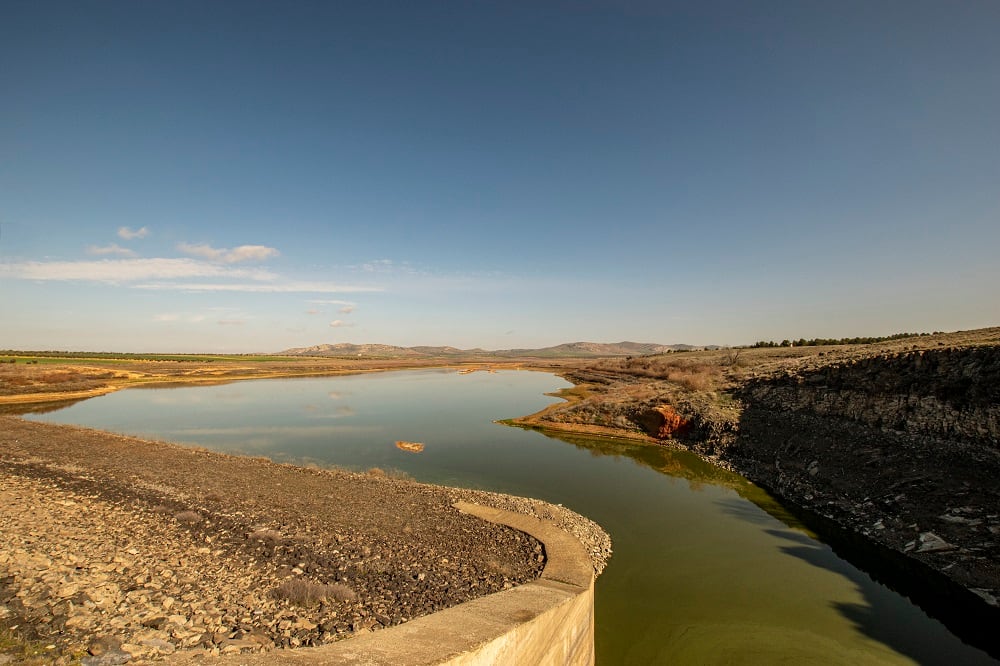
<point>117,549</point>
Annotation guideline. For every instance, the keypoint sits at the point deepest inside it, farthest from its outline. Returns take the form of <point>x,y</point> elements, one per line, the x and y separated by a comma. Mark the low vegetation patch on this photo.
<point>17,648</point>
<point>188,517</point>
<point>693,374</point>
<point>269,537</point>
<point>306,592</point>
<point>19,379</point>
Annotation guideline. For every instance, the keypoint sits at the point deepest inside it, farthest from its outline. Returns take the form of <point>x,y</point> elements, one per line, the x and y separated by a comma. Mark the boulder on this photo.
<point>663,422</point>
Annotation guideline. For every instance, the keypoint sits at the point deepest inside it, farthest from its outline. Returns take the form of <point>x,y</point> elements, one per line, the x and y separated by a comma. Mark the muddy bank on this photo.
<point>118,546</point>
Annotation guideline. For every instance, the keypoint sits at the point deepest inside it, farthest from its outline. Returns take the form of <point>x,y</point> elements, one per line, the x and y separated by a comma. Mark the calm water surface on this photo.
<point>707,569</point>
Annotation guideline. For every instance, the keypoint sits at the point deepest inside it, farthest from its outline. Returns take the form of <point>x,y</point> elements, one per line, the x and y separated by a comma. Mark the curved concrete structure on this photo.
<point>549,621</point>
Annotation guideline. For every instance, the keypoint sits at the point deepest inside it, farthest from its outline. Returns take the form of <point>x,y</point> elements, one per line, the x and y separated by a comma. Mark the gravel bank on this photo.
<point>117,547</point>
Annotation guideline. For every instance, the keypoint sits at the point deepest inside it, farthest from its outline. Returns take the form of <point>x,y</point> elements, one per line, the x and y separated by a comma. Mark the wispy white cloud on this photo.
<point>290,287</point>
<point>114,249</point>
<point>228,256</point>
<point>312,311</point>
<point>229,316</point>
<point>169,317</point>
<point>119,271</point>
<point>347,306</point>
<point>391,267</point>
<point>131,234</point>
<point>339,323</point>
<point>172,274</point>
<point>378,265</point>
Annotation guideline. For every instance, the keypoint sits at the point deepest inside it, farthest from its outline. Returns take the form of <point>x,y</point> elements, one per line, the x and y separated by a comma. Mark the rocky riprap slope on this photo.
<point>902,448</point>
<point>117,549</point>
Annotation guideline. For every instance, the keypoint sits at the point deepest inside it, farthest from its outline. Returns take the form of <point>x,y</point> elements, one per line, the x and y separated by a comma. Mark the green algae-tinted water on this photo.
<point>707,569</point>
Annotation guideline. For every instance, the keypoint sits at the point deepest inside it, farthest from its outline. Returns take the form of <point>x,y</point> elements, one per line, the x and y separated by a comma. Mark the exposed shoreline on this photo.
<point>170,376</point>
<point>125,545</point>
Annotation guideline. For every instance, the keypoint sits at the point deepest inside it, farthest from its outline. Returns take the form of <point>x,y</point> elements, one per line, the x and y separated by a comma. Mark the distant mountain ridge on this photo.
<point>565,350</point>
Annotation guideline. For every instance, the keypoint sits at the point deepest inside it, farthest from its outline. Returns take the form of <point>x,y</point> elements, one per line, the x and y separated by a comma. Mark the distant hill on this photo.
<point>596,349</point>
<point>349,349</point>
<point>566,350</point>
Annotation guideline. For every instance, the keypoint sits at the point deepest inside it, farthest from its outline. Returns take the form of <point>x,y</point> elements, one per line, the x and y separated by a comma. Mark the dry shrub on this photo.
<point>305,592</point>
<point>695,378</point>
<point>58,377</point>
<point>270,537</point>
<point>497,565</point>
<point>398,474</point>
<point>17,381</point>
<point>189,517</point>
<point>391,473</point>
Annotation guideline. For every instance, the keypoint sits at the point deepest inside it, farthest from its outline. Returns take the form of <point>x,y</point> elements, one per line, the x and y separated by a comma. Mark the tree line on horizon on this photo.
<point>819,342</point>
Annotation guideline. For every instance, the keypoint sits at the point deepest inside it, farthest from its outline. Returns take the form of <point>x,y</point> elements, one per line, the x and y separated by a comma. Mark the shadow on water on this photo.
<point>878,617</point>
<point>958,609</point>
<point>684,465</point>
<point>872,569</point>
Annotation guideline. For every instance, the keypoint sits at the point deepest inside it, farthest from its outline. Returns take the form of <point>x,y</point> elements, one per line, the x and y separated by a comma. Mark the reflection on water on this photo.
<point>680,464</point>
<point>707,567</point>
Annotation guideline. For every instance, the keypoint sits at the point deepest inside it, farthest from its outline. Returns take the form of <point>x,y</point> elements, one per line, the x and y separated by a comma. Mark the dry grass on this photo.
<point>390,473</point>
<point>59,377</point>
<point>496,565</point>
<point>21,379</point>
<point>305,592</point>
<point>270,537</point>
<point>187,517</point>
<point>693,373</point>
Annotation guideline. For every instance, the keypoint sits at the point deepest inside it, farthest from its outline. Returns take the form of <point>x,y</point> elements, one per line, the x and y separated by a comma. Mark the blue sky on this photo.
<point>243,176</point>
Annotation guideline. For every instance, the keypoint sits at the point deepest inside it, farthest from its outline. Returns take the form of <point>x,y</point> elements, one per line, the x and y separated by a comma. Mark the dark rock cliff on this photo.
<point>952,394</point>
<point>901,449</point>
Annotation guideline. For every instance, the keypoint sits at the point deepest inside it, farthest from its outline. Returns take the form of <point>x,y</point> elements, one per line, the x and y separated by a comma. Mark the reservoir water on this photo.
<point>707,568</point>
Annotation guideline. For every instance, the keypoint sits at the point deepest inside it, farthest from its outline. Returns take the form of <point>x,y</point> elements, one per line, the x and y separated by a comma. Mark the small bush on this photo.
<point>270,537</point>
<point>58,377</point>
<point>305,592</point>
<point>189,517</point>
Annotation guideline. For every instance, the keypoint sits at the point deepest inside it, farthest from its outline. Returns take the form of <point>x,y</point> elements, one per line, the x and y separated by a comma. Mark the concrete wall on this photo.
<point>548,622</point>
<point>561,634</point>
